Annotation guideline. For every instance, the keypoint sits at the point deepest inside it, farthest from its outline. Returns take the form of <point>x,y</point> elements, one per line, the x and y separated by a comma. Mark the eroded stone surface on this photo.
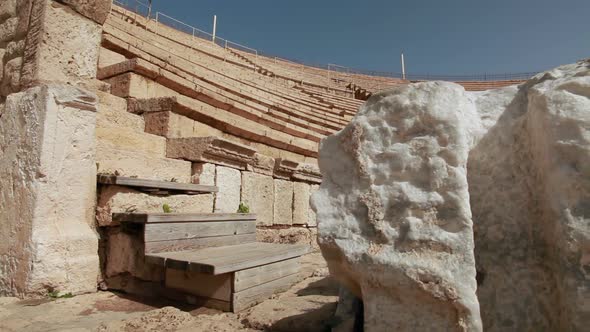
<point>229,182</point>
<point>393,211</point>
<point>258,194</point>
<point>117,199</point>
<point>47,191</point>
<point>528,148</point>
<point>283,202</point>
<point>528,188</point>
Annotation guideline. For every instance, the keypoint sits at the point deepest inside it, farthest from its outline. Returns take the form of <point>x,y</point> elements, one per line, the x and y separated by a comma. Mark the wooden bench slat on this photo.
<point>148,218</point>
<point>229,258</point>
<point>194,230</point>
<point>146,184</point>
<point>198,243</point>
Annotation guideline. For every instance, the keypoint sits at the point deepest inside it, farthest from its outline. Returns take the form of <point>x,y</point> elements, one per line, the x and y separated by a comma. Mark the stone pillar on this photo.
<point>48,191</point>
<point>47,141</point>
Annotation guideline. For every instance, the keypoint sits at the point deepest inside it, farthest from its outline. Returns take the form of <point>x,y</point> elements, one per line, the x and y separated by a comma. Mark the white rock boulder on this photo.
<point>393,210</point>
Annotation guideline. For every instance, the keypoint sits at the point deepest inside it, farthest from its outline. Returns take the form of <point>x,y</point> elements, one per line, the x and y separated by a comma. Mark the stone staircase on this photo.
<point>190,254</point>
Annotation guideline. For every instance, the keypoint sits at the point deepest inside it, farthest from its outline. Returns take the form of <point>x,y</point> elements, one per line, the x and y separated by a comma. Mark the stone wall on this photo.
<point>48,56</point>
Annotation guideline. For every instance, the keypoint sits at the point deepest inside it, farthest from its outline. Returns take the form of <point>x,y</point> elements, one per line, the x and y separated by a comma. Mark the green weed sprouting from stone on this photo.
<point>243,208</point>
<point>166,208</point>
<point>55,295</point>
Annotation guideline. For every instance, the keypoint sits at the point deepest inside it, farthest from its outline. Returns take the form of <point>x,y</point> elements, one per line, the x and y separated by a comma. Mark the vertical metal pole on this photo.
<point>403,68</point>
<point>149,10</point>
<point>214,26</point>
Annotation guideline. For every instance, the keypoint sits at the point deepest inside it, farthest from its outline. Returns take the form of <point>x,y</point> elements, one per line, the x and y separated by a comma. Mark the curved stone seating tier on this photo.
<point>186,69</point>
<point>244,80</point>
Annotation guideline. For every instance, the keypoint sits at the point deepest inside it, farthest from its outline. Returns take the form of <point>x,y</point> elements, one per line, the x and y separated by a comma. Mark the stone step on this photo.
<point>113,110</point>
<point>134,164</point>
<point>122,138</point>
<point>156,187</point>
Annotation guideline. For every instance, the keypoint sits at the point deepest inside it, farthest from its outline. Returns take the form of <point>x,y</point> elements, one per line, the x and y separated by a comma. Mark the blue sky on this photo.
<point>449,37</point>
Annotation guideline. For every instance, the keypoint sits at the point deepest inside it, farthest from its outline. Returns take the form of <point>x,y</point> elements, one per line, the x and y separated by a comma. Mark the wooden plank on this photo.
<point>229,258</point>
<point>251,296</point>
<point>193,230</point>
<point>155,184</point>
<point>180,296</point>
<point>245,279</point>
<point>145,218</point>
<point>199,243</point>
<point>204,285</point>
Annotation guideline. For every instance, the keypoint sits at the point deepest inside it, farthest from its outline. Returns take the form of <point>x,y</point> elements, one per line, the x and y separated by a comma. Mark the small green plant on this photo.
<point>166,208</point>
<point>55,295</point>
<point>243,208</point>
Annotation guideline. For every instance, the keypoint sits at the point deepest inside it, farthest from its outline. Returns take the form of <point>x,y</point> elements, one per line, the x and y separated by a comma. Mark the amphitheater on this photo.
<point>141,161</point>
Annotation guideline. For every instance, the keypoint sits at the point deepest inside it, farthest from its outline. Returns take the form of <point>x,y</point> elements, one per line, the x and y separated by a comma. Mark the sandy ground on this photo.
<point>307,306</point>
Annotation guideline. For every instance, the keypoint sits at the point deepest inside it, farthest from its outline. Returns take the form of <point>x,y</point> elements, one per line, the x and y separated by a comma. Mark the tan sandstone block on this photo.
<point>7,9</point>
<point>8,29</point>
<point>2,52</point>
<point>126,163</point>
<point>67,50</point>
<point>113,110</point>
<point>291,235</point>
<point>123,138</point>
<point>115,199</point>
<point>14,49</point>
<point>229,182</point>
<point>48,191</point>
<point>107,57</point>
<point>283,202</point>
<point>301,208</point>
<point>96,10</point>
<point>258,194</point>
<point>11,78</point>
<point>203,173</point>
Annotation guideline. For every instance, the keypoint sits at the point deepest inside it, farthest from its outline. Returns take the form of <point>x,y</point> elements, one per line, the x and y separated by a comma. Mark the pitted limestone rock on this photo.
<point>393,211</point>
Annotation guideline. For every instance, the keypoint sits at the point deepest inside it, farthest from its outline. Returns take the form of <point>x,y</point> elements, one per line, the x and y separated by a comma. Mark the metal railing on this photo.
<point>144,9</point>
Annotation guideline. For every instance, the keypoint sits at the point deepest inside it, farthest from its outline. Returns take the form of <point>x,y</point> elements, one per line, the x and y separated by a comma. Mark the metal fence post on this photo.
<point>214,27</point>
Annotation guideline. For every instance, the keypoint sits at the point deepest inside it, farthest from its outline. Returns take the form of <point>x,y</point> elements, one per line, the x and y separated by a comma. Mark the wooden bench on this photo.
<point>156,187</point>
<point>214,260</point>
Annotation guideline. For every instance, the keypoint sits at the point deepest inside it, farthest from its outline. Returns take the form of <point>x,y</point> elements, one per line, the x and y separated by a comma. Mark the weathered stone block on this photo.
<point>114,199</point>
<point>47,192</point>
<point>210,149</point>
<point>203,173</point>
<point>62,46</point>
<point>8,29</point>
<point>7,9</point>
<point>14,49</point>
<point>229,182</point>
<point>258,194</point>
<point>292,235</point>
<point>283,202</point>
<point>96,10</point>
<point>11,78</point>
<point>107,57</point>
<point>393,210</point>
<point>301,208</point>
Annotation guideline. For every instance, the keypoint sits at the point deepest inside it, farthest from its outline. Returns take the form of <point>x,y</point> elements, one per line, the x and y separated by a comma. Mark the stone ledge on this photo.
<point>211,150</point>
<point>292,170</point>
<point>96,10</point>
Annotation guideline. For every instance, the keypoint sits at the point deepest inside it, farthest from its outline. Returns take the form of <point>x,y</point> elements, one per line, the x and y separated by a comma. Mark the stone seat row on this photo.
<point>256,127</point>
<point>220,66</point>
<point>128,44</point>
